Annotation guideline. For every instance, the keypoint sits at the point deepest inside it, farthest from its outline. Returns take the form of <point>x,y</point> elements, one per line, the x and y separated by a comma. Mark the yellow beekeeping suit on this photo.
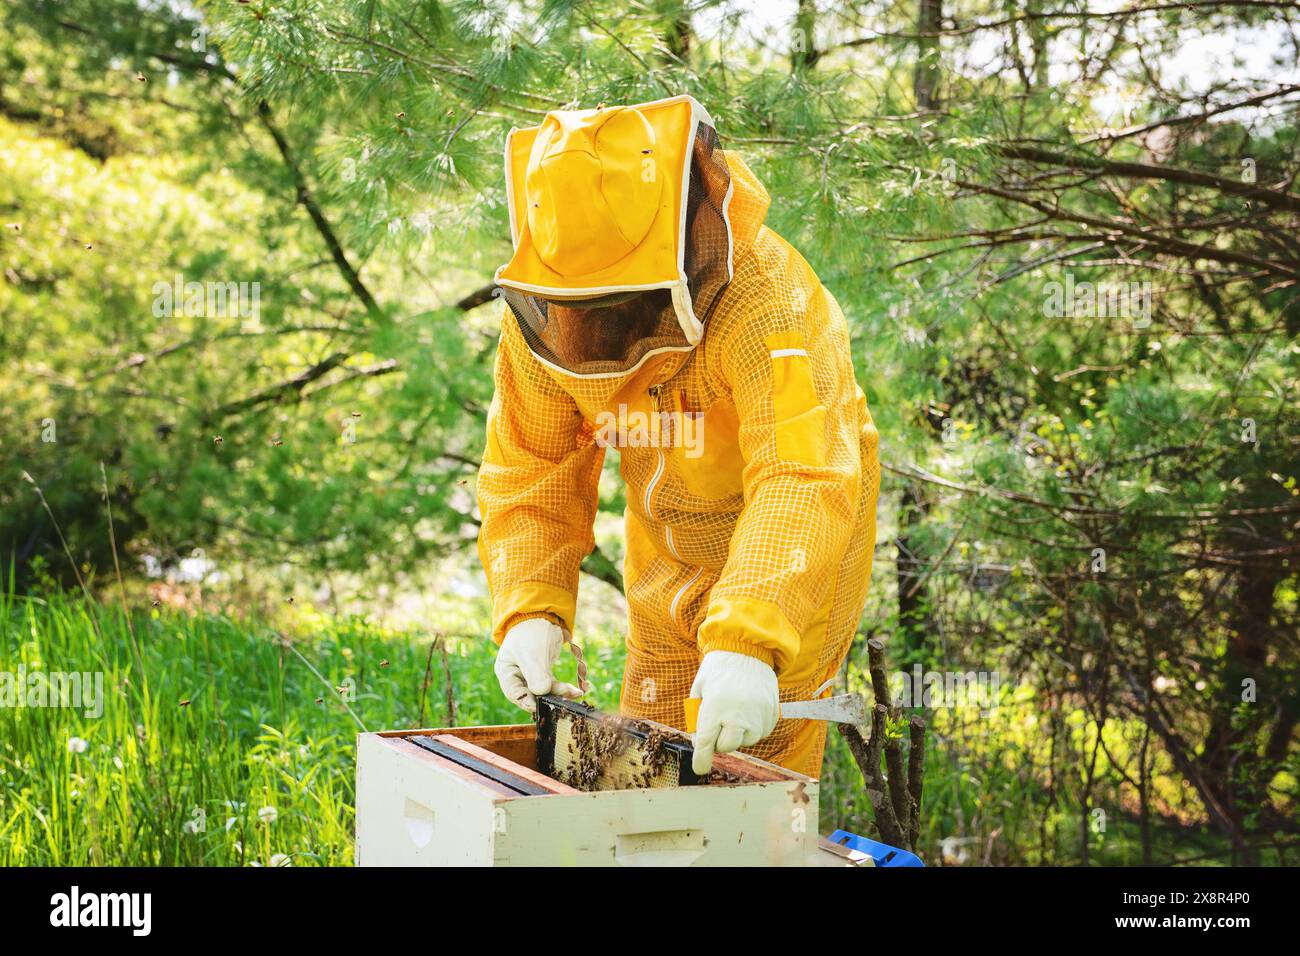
<point>752,474</point>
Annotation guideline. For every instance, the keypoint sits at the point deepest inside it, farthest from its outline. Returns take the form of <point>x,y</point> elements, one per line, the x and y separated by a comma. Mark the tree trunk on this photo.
<point>1228,744</point>
<point>803,45</point>
<point>925,79</point>
<point>678,34</point>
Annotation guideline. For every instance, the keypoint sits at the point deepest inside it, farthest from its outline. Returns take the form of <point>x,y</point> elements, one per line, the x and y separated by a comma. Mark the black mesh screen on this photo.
<point>707,243</point>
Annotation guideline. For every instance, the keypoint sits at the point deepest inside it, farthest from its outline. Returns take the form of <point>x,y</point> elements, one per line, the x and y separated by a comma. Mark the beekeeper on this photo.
<point>649,308</point>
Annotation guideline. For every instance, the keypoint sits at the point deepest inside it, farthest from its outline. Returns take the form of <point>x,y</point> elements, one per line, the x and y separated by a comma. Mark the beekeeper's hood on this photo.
<point>622,245</point>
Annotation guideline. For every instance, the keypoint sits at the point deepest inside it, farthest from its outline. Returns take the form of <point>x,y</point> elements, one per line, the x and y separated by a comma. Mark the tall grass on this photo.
<point>226,742</point>
<point>227,748</point>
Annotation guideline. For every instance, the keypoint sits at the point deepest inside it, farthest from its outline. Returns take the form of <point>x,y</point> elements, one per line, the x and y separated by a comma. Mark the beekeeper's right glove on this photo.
<point>739,704</point>
<point>526,663</point>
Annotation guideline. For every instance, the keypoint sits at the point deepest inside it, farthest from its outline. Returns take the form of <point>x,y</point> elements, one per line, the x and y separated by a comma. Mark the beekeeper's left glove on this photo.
<point>738,705</point>
<point>526,663</point>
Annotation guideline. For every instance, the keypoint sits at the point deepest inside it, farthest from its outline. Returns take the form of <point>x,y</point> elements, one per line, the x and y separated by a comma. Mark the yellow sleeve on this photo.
<point>791,378</point>
<point>538,490</point>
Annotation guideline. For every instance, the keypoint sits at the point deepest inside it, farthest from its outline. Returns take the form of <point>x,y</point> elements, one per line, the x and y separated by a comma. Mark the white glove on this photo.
<point>738,705</point>
<point>526,661</point>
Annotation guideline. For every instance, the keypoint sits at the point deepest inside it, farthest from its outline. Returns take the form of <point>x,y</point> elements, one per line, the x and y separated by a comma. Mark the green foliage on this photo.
<point>224,721</point>
<point>1102,506</point>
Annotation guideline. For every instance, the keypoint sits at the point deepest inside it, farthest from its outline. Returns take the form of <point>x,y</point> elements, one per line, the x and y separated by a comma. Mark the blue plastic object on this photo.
<point>882,854</point>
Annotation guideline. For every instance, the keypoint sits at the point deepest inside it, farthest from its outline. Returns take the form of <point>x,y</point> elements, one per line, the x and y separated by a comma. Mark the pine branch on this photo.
<point>318,219</point>
<point>1144,236</point>
<point>1171,174</point>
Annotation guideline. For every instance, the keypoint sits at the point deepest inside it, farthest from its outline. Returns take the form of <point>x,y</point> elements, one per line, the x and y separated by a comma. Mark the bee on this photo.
<point>289,599</point>
<point>216,440</point>
<point>320,700</point>
<point>15,226</point>
<point>401,114</point>
<point>141,78</point>
<point>185,702</point>
<point>384,662</point>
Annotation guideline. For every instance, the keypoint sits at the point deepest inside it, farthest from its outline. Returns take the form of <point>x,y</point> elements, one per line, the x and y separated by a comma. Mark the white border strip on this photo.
<point>510,194</point>
<point>629,371</point>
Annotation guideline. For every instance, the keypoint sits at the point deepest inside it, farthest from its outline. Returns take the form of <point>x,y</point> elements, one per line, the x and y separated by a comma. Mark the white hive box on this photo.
<point>417,808</point>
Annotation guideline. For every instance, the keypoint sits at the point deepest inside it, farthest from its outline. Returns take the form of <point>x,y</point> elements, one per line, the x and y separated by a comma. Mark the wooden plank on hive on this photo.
<point>404,745</point>
<point>470,762</point>
<point>503,763</point>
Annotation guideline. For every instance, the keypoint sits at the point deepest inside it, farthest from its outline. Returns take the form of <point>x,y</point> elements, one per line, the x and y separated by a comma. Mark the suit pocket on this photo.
<point>799,419</point>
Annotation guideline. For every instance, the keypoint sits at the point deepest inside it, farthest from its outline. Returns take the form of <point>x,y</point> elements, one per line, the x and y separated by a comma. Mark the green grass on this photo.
<point>221,745</point>
<point>224,721</point>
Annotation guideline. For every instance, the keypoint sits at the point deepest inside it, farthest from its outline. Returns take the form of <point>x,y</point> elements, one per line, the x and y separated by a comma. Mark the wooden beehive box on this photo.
<point>418,808</point>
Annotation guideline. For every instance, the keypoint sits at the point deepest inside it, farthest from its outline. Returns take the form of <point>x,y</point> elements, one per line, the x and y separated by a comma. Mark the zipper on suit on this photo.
<point>656,394</point>
<point>681,592</point>
<point>656,397</point>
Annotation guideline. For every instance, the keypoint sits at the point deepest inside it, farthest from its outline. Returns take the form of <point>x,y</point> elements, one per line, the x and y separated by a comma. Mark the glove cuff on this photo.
<point>530,615</point>
<point>749,626</point>
<point>738,645</point>
<point>532,599</point>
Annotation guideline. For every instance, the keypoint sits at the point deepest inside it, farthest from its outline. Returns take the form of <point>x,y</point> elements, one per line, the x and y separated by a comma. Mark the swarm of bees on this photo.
<point>724,777</point>
<point>597,742</point>
<point>652,752</point>
<point>593,744</point>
